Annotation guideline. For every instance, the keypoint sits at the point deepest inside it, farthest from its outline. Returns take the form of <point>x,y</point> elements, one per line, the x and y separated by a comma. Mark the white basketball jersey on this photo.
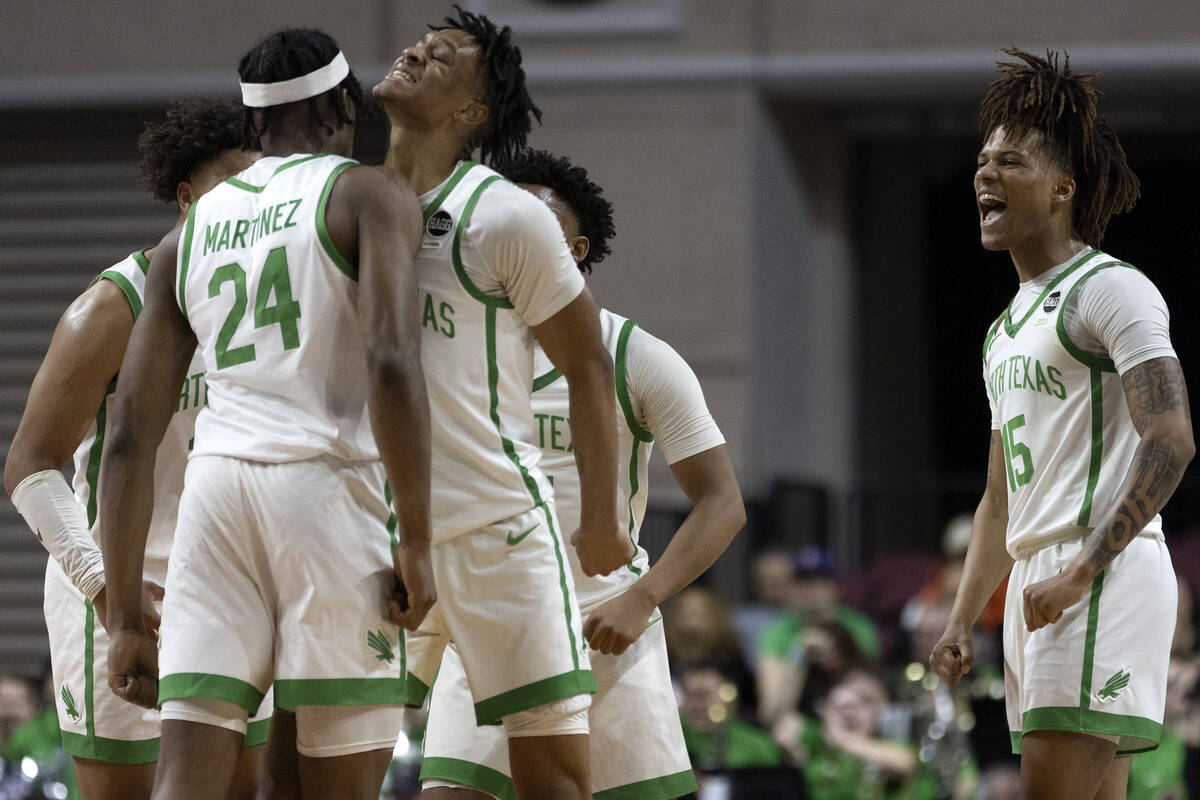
<point>477,355</point>
<point>171,458</point>
<point>274,308</point>
<point>551,413</point>
<point>1064,421</point>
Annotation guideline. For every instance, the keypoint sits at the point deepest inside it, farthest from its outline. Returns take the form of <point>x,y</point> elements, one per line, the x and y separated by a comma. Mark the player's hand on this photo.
<point>1045,601</point>
<point>602,551</point>
<point>152,594</point>
<point>133,666</point>
<point>954,654</point>
<point>615,625</point>
<point>414,593</point>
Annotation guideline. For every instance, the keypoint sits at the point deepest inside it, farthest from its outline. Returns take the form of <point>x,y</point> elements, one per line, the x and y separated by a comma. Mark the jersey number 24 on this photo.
<point>284,313</point>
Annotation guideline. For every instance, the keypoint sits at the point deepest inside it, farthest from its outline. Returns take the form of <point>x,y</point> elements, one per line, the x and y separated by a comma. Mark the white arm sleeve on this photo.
<point>1119,313</point>
<point>520,248</point>
<point>48,506</point>
<point>667,398</point>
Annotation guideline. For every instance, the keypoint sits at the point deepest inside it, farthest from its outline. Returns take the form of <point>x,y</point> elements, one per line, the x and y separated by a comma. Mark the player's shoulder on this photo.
<point>642,351</point>
<point>504,206</point>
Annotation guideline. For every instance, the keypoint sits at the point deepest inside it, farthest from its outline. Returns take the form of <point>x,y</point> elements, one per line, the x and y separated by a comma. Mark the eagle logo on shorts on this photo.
<point>69,704</point>
<point>382,647</point>
<point>1114,686</point>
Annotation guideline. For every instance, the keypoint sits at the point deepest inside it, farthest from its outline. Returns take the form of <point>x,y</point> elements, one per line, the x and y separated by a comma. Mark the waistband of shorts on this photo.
<point>1071,534</point>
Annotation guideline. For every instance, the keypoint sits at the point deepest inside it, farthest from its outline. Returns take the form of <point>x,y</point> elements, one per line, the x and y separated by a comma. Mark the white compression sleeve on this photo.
<point>48,506</point>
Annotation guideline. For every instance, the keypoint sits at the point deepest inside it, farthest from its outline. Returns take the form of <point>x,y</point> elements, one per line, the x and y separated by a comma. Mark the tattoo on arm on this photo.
<point>1153,388</point>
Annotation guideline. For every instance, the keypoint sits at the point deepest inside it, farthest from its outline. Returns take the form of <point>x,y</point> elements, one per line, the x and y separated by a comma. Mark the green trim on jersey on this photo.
<point>456,254</point>
<point>494,403</point>
<point>532,695</point>
<point>640,434</point>
<point>415,691</point>
<point>89,668</point>
<point>339,261</point>
<point>1010,328</point>
<point>637,430</point>
<point>1078,353</point>
<point>92,473</point>
<point>139,258</point>
<point>185,259</point>
<point>257,732</point>
<point>992,333</point>
<point>250,187</point>
<point>1143,734</point>
<point>1097,447</point>
<point>542,381</point>
<point>468,774</point>
<point>213,687</point>
<point>111,751</point>
<point>1089,644</point>
<point>667,787</point>
<point>340,692</point>
<point>447,188</point>
<point>135,302</point>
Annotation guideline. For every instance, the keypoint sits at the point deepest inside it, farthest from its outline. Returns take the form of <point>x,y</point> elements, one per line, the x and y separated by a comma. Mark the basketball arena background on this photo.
<point>792,185</point>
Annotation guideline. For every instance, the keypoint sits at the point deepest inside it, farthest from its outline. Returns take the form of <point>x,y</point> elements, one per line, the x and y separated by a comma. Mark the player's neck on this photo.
<point>288,142</point>
<point>425,158</point>
<point>1034,258</point>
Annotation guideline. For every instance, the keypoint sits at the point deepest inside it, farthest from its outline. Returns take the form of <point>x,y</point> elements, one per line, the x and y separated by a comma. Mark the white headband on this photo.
<point>261,95</point>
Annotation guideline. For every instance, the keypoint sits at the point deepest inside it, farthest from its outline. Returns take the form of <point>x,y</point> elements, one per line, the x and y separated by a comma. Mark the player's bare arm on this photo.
<point>1158,403</point>
<point>572,341</point>
<point>84,355</point>
<point>986,565</point>
<point>156,361</point>
<point>717,514</point>
<point>374,219</point>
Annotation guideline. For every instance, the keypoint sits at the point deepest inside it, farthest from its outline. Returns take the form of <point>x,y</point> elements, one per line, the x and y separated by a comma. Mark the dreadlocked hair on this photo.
<point>288,54</point>
<point>1034,96</point>
<point>193,134</point>
<point>510,108</point>
<point>571,183</point>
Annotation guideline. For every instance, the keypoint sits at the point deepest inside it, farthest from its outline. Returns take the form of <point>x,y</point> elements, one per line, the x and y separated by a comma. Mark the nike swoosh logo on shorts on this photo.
<point>517,539</point>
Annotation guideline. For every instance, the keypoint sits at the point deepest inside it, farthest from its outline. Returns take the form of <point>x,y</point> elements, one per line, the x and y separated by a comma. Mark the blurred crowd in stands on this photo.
<point>818,688</point>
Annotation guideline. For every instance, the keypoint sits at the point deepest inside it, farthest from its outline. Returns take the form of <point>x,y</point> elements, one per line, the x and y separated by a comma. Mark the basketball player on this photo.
<point>294,278</point>
<point>114,744</point>
<point>1090,435</point>
<point>495,274</point>
<point>636,742</point>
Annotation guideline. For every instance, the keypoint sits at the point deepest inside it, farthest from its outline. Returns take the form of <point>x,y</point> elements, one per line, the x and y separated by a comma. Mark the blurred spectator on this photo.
<point>785,649</point>
<point>698,629</point>
<point>717,739</point>
<point>1163,774</point>
<point>844,753</point>
<point>18,702</point>
<point>942,585</point>
<point>774,586</point>
<point>32,761</point>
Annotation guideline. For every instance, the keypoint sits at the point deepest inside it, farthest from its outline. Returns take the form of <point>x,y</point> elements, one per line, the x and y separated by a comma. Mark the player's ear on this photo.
<point>579,246</point>
<point>1064,189</point>
<point>473,114</point>
<point>184,195</point>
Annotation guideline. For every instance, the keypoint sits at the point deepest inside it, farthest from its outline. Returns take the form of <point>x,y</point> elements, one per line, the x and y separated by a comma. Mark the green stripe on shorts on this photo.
<point>111,751</point>
<point>667,787</point>
<point>339,692</point>
<point>470,775</point>
<point>533,695</point>
<point>211,687</point>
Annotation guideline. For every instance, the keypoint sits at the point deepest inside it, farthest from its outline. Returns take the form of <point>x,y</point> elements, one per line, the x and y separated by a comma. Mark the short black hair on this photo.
<point>571,183</point>
<point>1063,106</point>
<point>287,54</point>
<point>510,108</point>
<point>192,134</point>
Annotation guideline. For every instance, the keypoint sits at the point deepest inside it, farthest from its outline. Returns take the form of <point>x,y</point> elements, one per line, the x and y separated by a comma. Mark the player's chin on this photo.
<point>388,90</point>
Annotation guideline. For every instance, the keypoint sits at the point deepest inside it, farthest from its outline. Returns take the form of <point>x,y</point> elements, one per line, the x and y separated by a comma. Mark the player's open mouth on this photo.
<point>991,208</point>
<point>400,74</point>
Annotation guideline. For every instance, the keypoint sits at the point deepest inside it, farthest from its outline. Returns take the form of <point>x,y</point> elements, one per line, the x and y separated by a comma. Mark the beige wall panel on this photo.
<point>862,24</point>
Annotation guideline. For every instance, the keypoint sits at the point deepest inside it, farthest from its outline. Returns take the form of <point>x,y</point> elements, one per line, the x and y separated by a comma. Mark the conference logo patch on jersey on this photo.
<point>382,647</point>
<point>1052,302</point>
<point>439,224</point>
<point>436,228</point>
